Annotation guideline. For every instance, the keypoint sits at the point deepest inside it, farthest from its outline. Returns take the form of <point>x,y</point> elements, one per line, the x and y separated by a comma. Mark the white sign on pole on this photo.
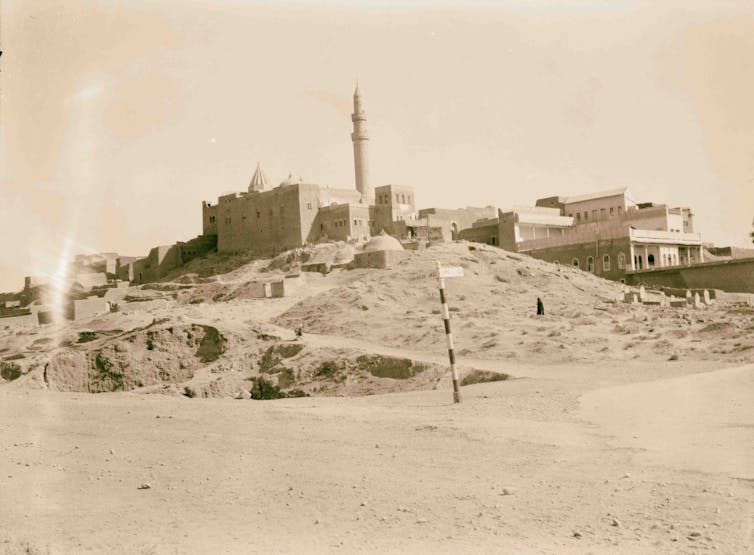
<point>451,271</point>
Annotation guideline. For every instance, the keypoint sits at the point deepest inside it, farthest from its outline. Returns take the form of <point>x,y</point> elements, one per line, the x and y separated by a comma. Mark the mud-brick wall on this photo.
<point>735,276</point>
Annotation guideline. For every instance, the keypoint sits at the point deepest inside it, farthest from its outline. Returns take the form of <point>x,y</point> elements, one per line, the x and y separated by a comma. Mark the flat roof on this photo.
<point>592,196</point>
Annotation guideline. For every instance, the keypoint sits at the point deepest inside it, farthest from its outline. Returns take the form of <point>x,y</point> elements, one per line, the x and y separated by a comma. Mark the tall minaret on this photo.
<point>360,139</point>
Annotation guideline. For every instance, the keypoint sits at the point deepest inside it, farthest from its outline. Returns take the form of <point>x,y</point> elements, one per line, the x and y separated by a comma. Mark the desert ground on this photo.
<point>601,427</point>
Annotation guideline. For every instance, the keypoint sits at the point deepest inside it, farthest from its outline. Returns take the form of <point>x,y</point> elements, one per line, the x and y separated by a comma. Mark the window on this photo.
<point>308,205</point>
<point>651,260</point>
<point>578,216</point>
<point>606,263</point>
<point>258,214</point>
<point>586,216</point>
<point>590,264</point>
<point>602,213</point>
<point>621,261</point>
<point>611,210</point>
<point>575,262</point>
<point>594,214</point>
<point>620,209</point>
<point>356,222</point>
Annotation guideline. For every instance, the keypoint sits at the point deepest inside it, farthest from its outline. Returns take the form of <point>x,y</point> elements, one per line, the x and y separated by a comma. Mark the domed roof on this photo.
<point>343,255</point>
<point>383,242</point>
<point>291,180</point>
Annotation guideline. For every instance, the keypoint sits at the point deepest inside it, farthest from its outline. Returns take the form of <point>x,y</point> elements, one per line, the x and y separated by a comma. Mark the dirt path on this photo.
<point>509,470</point>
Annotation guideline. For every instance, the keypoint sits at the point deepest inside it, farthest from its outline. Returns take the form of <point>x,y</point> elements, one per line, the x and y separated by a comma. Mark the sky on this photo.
<point>117,118</point>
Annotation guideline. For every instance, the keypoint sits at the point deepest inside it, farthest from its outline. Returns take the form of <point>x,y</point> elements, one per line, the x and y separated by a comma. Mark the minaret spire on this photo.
<point>360,138</point>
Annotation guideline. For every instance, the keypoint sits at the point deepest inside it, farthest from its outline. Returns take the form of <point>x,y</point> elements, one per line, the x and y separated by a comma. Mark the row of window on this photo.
<point>606,263</point>
<point>342,223</point>
<point>400,198</point>
<point>602,213</point>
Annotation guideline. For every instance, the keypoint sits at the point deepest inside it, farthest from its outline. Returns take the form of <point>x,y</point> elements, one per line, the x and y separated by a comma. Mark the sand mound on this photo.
<point>213,335</point>
<point>490,306</point>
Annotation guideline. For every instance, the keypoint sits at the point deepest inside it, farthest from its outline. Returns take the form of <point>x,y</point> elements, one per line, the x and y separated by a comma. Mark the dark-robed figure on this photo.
<point>540,307</point>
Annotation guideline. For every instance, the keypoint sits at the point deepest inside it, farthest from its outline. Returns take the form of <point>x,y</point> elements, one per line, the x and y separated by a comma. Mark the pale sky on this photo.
<point>119,117</point>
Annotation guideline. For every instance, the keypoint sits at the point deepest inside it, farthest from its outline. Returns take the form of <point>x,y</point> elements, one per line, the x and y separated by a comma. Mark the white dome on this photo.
<point>383,242</point>
<point>343,255</point>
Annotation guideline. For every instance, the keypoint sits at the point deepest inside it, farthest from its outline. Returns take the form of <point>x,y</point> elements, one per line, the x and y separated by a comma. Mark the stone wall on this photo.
<point>487,234</point>
<point>596,250</point>
<point>454,220</point>
<point>342,222</point>
<point>268,221</point>
<point>735,275</point>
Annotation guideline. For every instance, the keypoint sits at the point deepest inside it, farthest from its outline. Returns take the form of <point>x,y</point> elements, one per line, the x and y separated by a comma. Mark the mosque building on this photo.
<point>267,219</point>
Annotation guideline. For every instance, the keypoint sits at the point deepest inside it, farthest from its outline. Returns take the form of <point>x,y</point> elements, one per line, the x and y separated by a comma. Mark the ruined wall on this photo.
<point>736,276</point>
<point>86,309</point>
<point>196,247</point>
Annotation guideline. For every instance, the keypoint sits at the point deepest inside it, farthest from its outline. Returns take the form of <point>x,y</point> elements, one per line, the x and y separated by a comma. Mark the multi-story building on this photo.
<point>606,233</point>
<point>295,213</point>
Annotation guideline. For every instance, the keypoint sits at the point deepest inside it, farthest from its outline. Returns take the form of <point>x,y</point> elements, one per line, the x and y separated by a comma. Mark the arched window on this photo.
<point>575,262</point>
<point>590,264</point>
<point>651,260</point>
<point>605,262</point>
<point>621,261</point>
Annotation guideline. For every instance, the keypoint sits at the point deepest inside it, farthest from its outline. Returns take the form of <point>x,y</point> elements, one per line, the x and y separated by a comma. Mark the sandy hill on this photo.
<point>201,333</point>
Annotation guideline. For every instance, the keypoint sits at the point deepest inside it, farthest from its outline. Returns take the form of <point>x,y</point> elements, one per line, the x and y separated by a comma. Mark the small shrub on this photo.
<point>188,392</point>
<point>212,345</point>
<point>483,376</point>
<point>297,393</point>
<point>86,336</point>
<point>326,370</point>
<point>9,371</point>
<point>264,390</point>
<point>390,367</point>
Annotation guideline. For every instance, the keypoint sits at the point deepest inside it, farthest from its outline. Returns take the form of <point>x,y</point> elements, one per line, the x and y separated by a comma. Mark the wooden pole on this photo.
<point>449,337</point>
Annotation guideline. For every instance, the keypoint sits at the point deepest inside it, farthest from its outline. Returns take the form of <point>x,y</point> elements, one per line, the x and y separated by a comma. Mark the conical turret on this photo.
<point>258,180</point>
